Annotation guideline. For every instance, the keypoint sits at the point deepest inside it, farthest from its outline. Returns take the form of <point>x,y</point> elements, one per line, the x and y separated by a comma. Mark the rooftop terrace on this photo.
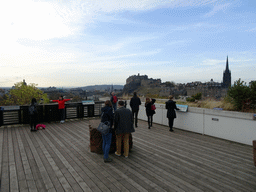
<point>58,159</point>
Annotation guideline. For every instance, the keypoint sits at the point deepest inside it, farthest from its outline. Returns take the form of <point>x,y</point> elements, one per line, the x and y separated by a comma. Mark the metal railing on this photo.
<point>49,112</point>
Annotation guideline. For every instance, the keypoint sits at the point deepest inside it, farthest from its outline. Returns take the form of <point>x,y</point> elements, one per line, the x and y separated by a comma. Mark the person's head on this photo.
<point>170,97</point>
<point>61,97</point>
<point>121,103</point>
<point>153,101</point>
<point>134,94</point>
<point>108,103</point>
<point>113,93</point>
<point>147,100</point>
<point>33,101</point>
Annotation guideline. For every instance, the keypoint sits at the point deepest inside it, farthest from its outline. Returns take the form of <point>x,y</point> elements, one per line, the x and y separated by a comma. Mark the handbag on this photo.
<point>153,107</point>
<point>103,127</point>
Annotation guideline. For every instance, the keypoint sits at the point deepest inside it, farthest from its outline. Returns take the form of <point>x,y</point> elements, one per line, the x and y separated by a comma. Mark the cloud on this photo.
<point>216,9</point>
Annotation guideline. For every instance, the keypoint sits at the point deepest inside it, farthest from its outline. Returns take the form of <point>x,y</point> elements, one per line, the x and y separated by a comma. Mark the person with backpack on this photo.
<point>33,114</point>
<point>61,107</point>
<point>135,103</point>
<point>114,100</point>
<point>150,110</point>
<point>107,115</point>
<point>171,114</point>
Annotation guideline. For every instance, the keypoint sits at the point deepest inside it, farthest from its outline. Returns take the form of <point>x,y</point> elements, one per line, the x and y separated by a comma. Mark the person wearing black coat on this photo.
<point>171,114</point>
<point>135,103</point>
<point>33,114</point>
<point>107,115</point>
<point>123,126</point>
<point>149,111</point>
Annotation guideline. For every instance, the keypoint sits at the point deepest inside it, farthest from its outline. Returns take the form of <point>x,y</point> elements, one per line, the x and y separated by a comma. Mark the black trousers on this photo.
<point>135,113</point>
<point>171,122</point>
<point>62,114</point>
<point>33,121</point>
<point>150,120</point>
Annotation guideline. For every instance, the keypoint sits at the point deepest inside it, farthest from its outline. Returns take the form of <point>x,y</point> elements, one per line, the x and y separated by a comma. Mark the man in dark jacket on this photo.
<point>123,126</point>
<point>135,103</point>
<point>171,114</point>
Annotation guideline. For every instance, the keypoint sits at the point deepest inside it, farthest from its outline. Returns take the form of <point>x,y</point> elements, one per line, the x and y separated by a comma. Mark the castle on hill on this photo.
<point>208,89</point>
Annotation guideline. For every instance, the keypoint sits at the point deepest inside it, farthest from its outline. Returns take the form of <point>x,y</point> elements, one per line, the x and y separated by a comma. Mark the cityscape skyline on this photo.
<point>82,43</point>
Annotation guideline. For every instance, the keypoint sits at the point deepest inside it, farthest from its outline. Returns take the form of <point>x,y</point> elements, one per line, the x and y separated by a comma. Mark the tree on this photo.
<point>170,83</point>
<point>253,94</point>
<point>22,94</point>
<point>195,97</point>
<point>239,93</point>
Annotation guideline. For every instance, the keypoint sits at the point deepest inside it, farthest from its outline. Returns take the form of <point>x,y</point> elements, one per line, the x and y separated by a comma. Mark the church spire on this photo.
<point>226,76</point>
<point>227,64</point>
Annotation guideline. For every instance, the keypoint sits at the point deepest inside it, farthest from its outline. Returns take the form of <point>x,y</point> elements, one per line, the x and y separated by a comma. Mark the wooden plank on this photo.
<point>27,169</point>
<point>37,177</point>
<point>209,160</point>
<point>1,151</point>
<point>75,157</point>
<point>82,138</point>
<point>12,166</point>
<point>193,164</point>
<point>5,174</point>
<point>96,163</point>
<point>53,170</point>
<point>70,169</point>
<point>45,177</point>
<point>159,161</point>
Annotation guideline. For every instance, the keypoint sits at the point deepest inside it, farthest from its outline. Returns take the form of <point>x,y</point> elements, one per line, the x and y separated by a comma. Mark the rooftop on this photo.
<point>58,159</point>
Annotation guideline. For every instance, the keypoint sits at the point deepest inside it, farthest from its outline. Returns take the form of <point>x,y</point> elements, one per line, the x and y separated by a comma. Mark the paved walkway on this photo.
<point>58,159</point>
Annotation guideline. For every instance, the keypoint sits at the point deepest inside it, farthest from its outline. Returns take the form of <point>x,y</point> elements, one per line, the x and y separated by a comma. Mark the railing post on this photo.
<point>1,116</point>
<point>91,110</point>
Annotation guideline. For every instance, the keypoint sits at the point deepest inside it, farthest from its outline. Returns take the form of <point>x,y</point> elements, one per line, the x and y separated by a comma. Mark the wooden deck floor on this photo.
<point>58,159</point>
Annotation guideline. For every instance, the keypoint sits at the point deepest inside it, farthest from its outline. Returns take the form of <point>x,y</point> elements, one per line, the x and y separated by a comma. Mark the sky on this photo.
<point>76,43</point>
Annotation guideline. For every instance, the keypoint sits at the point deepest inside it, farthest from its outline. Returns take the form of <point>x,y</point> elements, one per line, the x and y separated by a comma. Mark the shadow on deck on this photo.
<point>58,159</point>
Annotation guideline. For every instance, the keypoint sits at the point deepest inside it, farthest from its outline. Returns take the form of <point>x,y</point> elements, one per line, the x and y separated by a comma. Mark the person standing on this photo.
<point>61,107</point>
<point>107,115</point>
<point>114,100</point>
<point>33,114</point>
<point>123,126</point>
<point>171,114</point>
<point>150,111</point>
<point>135,103</point>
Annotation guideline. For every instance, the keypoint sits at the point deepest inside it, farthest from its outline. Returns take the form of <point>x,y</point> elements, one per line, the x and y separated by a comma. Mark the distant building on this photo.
<point>226,76</point>
<point>135,81</point>
<point>24,82</point>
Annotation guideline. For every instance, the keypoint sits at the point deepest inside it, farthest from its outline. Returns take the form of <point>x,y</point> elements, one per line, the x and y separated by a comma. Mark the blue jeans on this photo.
<point>114,107</point>
<point>106,144</point>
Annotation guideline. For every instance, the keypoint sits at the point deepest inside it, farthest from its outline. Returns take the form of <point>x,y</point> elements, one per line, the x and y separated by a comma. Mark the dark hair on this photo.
<point>108,103</point>
<point>121,103</point>
<point>61,97</point>
<point>33,101</point>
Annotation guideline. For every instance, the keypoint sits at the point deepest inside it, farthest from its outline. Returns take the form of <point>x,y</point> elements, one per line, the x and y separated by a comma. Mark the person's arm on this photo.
<point>176,107</point>
<point>115,120</point>
<point>111,117</point>
<point>66,100</point>
<point>54,100</point>
<point>131,103</point>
